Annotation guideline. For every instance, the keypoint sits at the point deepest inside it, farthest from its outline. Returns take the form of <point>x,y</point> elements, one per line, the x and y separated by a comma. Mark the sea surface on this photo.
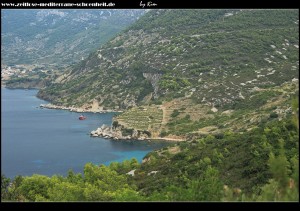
<point>48,142</point>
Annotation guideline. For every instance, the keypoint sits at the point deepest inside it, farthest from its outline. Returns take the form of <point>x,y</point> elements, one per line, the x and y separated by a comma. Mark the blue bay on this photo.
<point>44,141</point>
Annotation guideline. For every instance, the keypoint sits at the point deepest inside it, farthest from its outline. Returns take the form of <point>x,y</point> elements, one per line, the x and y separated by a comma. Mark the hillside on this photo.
<point>201,66</point>
<point>221,85</point>
<point>58,37</point>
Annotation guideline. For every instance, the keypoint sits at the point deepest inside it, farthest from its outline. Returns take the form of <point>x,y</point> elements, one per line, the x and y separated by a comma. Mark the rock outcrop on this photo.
<point>119,133</point>
<point>154,79</point>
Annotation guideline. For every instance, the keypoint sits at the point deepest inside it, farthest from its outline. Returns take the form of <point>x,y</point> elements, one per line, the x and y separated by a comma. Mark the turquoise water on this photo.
<point>45,141</point>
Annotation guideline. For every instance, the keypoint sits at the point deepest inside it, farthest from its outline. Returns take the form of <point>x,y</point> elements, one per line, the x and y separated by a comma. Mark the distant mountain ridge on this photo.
<point>57,36</point>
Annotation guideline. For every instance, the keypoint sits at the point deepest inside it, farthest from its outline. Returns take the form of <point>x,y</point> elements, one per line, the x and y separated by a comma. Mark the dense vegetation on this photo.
<point>259,165</point>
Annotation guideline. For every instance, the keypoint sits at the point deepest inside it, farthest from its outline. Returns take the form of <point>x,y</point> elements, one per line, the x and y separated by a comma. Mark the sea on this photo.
<point>49,141</point>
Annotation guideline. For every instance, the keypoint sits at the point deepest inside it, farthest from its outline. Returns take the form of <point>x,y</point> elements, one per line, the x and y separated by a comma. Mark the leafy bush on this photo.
<point>273,115</point>
<point>175,113</point>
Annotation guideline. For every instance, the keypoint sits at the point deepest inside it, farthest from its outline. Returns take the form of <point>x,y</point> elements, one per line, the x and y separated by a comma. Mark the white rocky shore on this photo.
<point>74,109</point>
<point>116,134</point>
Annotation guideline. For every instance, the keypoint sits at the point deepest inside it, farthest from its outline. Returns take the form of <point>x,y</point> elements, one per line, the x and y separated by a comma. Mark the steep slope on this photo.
<point>198,63</point>
<point>58,37</point>
<point>215,56</point>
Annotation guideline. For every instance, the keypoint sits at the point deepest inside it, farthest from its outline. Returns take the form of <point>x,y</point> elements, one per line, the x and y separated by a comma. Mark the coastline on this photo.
<point>117,133</point>
<point>108,133</point>
<point>78,110</point>
<point>93,110</point>
<point>47,132</point>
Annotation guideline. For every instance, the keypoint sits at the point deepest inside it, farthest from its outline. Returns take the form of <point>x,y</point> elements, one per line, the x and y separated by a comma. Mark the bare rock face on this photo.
<point>214,109</point>
<point>116,133</point>
<point>154,79</point>
<point>135,134</point>
<point>145,160</point>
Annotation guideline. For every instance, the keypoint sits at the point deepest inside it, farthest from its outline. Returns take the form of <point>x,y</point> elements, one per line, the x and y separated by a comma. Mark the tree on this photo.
<point>206,188</point>
<point>295,107</point>
<point>128,194</point>
<point>114,166</point>
<point>295,167</point>
<point>35,186</point>
<point>279,166</point>
<point>14,190</point>
<point>65,191</point>
<point>281,187</point>
<point>211,187</point>
<point>74,178</point>
<point>134,163</point>
<point>4,187</point>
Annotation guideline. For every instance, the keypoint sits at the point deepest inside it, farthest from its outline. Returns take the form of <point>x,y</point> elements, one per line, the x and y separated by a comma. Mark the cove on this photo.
<point>48,142</point>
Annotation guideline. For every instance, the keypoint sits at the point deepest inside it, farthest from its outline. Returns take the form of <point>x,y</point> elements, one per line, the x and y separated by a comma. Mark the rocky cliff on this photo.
<point>119,132</point>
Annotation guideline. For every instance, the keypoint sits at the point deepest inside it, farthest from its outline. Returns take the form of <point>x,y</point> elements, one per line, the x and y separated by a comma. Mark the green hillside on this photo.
<point>212,56</point>
<point>221,84</point>
<point>201,65</point>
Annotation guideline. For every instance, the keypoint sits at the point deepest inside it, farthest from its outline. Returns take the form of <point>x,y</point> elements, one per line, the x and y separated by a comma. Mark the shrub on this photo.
<point>163,133</point>
<point>273,115</point>
<point>175,113</point>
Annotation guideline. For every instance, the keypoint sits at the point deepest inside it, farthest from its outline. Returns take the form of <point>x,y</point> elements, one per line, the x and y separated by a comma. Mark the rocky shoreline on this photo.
<point>74,109</point>
<point>116,133</point>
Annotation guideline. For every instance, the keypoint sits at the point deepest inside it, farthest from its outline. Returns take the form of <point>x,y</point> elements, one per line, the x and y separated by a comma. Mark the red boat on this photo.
<point>82,117</point>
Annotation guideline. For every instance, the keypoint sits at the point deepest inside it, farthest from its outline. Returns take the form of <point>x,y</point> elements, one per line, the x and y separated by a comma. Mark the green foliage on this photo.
<point>207,188</point>
<point>273,115</point>
<point>281,187</point>
<point>279,167</point>
<point>241,159</point>
<point>198,54</point>
<point>175,113</point>
<point>163,133</point>
<point>169,84</point>
<point>35,187</point>
<point>147,133</point>
<point>258,165</point>
<point>256,101</point>
<point>295,107</point>
<point>4,186</point>
<point>65,191</point>
<point>127,131</point>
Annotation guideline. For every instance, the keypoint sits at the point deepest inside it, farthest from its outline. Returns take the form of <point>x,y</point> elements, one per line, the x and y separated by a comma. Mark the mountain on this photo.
<point>58,37</point>
<point>181,52</point>
<point>225,81</point>
<point>206,69</point>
